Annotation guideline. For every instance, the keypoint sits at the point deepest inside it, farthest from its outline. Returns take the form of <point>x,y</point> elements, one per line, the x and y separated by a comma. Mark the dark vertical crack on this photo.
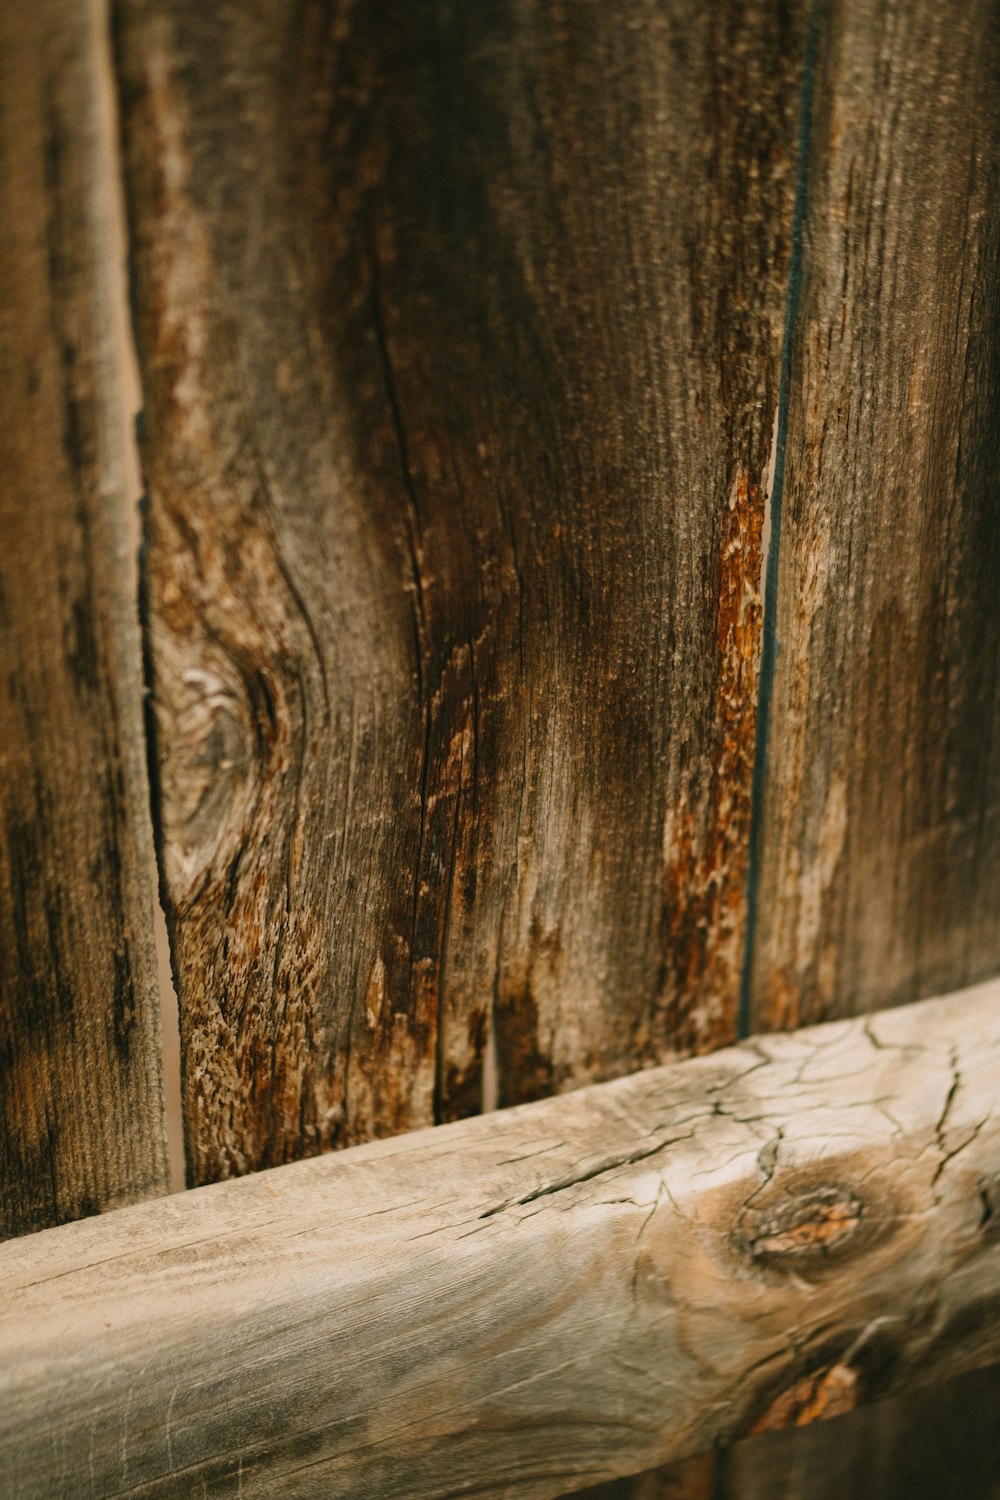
<point>420,628</point>
<point>179,1143</point>
<point>720,1472</point>
<point>412,518</point>
<point>439,1057</point>
<point>769,644</point>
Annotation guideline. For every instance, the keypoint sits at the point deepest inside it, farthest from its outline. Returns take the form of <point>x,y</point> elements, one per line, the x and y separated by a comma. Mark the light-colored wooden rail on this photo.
<point>528,1302</point>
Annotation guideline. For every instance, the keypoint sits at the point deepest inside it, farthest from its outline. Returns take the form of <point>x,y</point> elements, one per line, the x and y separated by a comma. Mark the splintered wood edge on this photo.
<point>530,1301</point>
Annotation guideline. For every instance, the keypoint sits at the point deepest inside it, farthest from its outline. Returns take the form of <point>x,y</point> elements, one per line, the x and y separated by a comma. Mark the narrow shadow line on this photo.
<point>769,643</point>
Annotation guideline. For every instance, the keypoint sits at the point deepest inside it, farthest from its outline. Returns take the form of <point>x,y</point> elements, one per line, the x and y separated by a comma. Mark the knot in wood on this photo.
<point>807,1225</point>
<point>208,763</point>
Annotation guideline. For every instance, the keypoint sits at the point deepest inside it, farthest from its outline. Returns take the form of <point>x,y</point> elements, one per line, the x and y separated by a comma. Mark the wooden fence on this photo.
<point>568,642</point>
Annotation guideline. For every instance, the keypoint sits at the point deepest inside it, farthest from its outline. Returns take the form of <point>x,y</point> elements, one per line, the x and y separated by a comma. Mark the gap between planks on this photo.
<point>129,391</point>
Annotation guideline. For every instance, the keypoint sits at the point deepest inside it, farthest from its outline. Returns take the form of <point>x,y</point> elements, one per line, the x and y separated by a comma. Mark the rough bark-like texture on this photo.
<point>460,328</point>
<point>80,1091</point>
<point>880,878</point>
<point>534,1300</point>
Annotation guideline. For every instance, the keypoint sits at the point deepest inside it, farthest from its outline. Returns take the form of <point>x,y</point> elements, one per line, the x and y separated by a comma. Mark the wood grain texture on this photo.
<point>880,877</point>
<point>80,1084</point>
<point>460,329</point>
<point>543,1298</point>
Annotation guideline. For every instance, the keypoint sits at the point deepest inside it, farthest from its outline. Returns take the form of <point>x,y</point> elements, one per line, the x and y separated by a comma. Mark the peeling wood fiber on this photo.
<point>459,328</point>
<point>539,1299</point>
<point>81,1125</point>
<point>880,870</point>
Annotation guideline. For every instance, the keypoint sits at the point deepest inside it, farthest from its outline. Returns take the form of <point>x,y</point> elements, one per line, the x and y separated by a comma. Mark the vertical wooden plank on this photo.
<point>80,1083</point>
<point>880,866</point>
<point>880,841</point>
<point>460,330</point>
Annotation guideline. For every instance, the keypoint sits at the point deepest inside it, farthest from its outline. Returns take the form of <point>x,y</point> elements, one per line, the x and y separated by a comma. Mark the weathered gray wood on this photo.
<point>80,1085</point>
<point>460,329</point>
<point>880,878</point>
<point>550,1295</point>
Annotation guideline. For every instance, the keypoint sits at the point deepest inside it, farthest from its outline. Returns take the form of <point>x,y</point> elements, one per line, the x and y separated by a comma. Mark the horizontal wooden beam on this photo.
<point>534,1300</point>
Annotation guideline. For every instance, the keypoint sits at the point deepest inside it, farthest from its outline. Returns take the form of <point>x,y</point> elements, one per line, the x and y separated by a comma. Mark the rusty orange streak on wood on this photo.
<point>827,1393</point>
<point>705,884</point>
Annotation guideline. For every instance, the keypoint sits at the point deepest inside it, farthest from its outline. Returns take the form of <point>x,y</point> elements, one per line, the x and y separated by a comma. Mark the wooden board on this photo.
<point>536,1300</point>
<point>880,870</point>
<point>460,330</point>
<point>80,1085</point>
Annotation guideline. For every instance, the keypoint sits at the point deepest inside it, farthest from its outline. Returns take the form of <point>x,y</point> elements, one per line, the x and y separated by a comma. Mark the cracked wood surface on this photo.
<point>80,1079</point>
<point>881,846</point>
<point>584,1286</point>
<point>460,329</point>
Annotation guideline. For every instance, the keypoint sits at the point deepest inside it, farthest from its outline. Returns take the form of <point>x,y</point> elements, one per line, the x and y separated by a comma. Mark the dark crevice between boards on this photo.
<point>130,387</point>
<point>720,1472</point>
<point>169,1002</point>
<point>169,990</point>
<point>422,651</point>
<point>769,643</point>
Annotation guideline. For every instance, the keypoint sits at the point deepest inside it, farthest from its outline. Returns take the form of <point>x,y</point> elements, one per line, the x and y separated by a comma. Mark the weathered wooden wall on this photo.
<point>456,367</point>
<point>877,866</point>
<point>80,1084</point>
<point>462,367</point>
<point>461,370</point>
<point>465,334</point>
<point>880,841</point>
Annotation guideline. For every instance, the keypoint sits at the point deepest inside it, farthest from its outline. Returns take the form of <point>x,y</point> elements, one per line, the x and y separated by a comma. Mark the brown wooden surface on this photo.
<point>460,330</point>
<point>80,1088</point>
<point>880,875</point>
